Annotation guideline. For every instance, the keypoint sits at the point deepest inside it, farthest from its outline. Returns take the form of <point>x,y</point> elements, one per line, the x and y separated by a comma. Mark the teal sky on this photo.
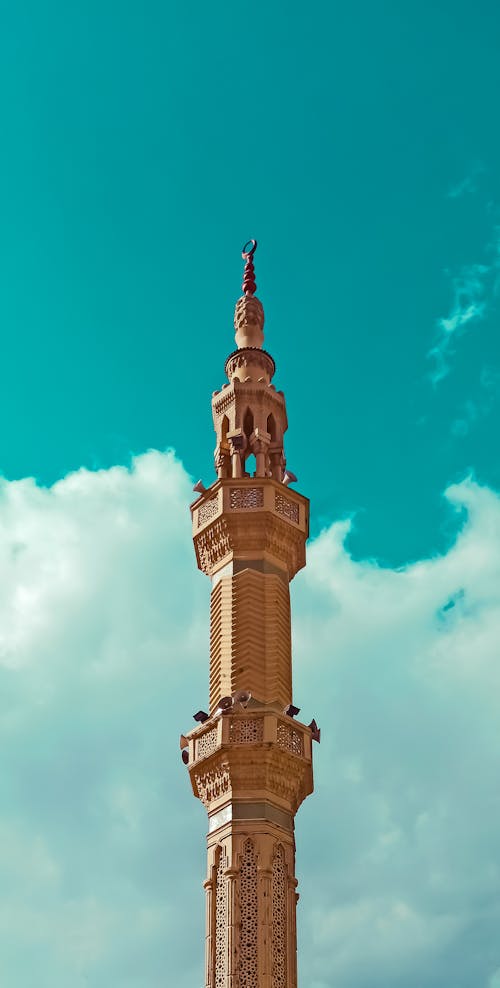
<point>141,145</point>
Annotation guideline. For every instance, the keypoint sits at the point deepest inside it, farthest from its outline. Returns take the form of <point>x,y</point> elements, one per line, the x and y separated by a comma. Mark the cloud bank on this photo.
<point>103,658</point>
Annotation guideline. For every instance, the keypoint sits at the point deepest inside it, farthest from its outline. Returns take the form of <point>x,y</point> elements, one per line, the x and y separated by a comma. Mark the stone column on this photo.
<point>237,445</point>
<point>221,462</point>
<point>260,448</point>
<point>277,461</point>
<point>293,898</point>
<point>208,885</point>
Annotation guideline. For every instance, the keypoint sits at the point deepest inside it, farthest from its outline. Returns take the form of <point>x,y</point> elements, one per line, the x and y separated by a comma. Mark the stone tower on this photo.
<point>249,760</point>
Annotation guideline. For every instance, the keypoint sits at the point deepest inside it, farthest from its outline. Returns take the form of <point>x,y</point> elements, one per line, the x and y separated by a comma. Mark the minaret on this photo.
<point>249,759</point>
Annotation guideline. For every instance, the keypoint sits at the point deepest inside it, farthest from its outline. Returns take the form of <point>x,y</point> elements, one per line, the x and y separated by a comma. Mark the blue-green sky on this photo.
<point>141,145</point>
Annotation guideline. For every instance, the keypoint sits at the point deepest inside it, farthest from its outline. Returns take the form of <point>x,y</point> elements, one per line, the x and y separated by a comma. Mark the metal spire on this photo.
<point>249,285</point>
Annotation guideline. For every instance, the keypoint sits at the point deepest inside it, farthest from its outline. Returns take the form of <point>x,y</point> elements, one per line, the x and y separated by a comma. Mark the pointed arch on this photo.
<point>224,429</point>
<point>248,422</point>
<point>250,464</point>
<point>271,427</point>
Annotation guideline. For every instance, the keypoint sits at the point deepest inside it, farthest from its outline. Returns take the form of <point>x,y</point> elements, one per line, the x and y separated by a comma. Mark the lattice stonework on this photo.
<point>246,497</point>
<point>289,509</point>
<point>290,739</point>
<point>221,942</point>
<point>208,510</point>
<point>248,909</point>
<point>212,783</point>
<point>206,744</point>
<point>213,544</point>
<point>246,731</point>
<point>279,890</point>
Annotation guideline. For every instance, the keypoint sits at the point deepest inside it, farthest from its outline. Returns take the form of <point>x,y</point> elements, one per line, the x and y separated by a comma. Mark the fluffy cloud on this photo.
<point>406,672</point>
<point>103,657</point>
<point>103,626</point>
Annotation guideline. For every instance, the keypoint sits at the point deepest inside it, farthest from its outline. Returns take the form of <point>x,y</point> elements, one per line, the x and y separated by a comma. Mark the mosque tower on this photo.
<point>249,759</point>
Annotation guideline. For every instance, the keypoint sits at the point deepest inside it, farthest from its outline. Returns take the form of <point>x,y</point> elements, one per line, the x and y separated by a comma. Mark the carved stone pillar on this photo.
<point>277,461</point>
<point>293,899</point>
<point>208,885</point>
<point>260,448</point>
<point>280,913</point>
<point>233,927</point>
<point>265,927</point>
<point>237,445</point>
<point>222,462</point>
<point>221,939</point>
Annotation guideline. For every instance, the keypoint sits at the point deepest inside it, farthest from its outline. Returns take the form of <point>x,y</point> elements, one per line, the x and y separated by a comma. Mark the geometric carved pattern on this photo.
<point>290,740</point>
<point>213,544</point>
<point>279,892</point>
<point>289,509</point>
<point>248,910</point>
<point>249,535</point>
<point>208,510</point>
<point>212,783</point>
<point>249,311</point>
<point>206,744</point>
<point>246,731</point>
<point>246,497</point>
<point>253,393</point>
<point>241,769</point>
<point>221,924</point>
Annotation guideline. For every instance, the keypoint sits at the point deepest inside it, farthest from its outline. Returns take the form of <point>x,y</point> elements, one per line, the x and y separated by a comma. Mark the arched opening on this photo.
<point>271,427</point>
<point>222,453</point>
<point>248,423</point>
<point>250,465</point>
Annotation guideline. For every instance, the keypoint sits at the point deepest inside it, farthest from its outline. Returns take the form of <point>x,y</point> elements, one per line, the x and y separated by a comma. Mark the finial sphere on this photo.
<point>249,253</point>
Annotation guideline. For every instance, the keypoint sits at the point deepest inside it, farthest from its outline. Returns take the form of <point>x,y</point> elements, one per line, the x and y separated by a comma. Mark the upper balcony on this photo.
<point>249,518</point>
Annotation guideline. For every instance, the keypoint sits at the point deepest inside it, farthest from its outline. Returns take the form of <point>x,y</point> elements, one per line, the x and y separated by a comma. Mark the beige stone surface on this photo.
<point>251,519</point>
<point>250,762</point>
<point>250,637</point>
<point>251,768</point>
<point>249,321</point>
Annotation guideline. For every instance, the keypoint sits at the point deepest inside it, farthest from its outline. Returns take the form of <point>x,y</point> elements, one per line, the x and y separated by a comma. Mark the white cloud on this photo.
<point>468,305</point>
<point>103,658</point>
<point>406,674</point>
<point>103,625</point>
